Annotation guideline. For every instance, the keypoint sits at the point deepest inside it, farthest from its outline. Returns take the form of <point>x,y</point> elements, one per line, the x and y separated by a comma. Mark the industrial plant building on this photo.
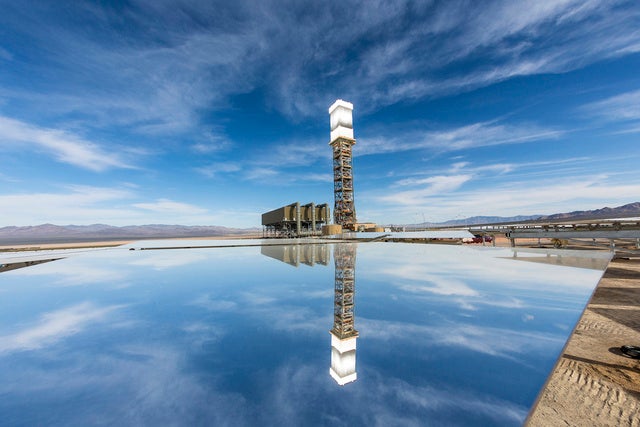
<point>296,220</point>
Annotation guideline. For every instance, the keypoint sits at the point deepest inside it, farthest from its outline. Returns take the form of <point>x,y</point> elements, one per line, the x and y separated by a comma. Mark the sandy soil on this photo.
<point>49,246</point>
<point>593,383</point>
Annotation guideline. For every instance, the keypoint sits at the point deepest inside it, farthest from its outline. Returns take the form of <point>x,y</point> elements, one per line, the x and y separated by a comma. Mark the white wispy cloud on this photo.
<point>275,161</point>
<point>149,85</point>
<point>432,186</point>
<point>171,82</point>
<point>437,183</point>
<point>520,38</point>
<point>195,64</point>
<point>64,146</point>
<point>166,206</point>
<point>172,79</point>
<point>219,168</point>
<point>115,206</point>
<point>78,204</point>
<point>534,170</point>
<point>297,153</point>
<point>548,193</point>
<point>75,198</point>
<point>475,135</point>
<point>633,129</point>
<point>260,173</point>
<point>551,36</point>
<point>55,326</point>
<point>290,161</point>
<point>466,171</point>
<point>316,177</point>
<point>212,143</point>
<point>623,108</point>
<point>512,198</point>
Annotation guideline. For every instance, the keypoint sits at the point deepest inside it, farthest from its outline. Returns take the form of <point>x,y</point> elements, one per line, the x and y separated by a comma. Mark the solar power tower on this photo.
<point>344,211</point>
<point>343,334</point>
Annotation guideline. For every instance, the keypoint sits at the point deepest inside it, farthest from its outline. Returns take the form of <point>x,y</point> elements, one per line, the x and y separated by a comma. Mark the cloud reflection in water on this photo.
<point>231,337</point>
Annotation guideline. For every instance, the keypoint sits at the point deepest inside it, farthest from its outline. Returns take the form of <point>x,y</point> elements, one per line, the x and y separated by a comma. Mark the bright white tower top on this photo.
<point>341,113</point>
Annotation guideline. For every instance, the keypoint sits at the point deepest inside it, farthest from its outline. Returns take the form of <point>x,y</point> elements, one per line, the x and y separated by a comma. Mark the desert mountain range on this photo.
<point>49,233</point>
<point>626,211</point>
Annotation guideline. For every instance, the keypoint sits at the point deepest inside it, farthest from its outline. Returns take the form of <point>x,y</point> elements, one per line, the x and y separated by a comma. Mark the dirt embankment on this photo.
<point>594,384</point>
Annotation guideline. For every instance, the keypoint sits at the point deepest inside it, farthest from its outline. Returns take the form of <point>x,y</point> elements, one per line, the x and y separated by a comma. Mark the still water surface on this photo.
<point>446,335</point>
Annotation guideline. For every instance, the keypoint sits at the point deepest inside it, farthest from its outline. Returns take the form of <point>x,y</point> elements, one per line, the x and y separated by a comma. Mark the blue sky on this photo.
<point>212,112</point>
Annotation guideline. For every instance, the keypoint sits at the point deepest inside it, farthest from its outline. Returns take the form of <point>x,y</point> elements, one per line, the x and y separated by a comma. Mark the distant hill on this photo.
<point>627,211</point>
<point>50,233</point>
<point>485,220</point>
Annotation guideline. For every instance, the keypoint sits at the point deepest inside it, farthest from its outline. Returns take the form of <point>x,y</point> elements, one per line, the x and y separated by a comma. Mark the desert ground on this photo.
<point>110,243</point>
<point>593,383</point>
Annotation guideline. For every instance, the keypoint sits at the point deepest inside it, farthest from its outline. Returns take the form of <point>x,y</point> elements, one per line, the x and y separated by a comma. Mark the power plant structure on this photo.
<point>311,220</point>
<point>295,220</point>
<point>341,119</point>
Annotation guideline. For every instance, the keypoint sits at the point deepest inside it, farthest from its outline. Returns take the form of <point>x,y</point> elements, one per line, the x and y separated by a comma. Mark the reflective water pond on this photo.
<point>311,334</point>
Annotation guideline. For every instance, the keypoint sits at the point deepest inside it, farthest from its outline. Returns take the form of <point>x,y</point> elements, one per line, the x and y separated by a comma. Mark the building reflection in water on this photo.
<point>309,254</point>
<point>343,334</point>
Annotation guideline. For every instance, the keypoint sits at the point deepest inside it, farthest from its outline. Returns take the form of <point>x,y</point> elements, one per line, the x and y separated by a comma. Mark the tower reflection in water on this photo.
<point>343,334</point>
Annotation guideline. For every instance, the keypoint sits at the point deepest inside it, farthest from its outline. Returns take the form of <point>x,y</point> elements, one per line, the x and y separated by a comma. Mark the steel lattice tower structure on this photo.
<point>341,115</point>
